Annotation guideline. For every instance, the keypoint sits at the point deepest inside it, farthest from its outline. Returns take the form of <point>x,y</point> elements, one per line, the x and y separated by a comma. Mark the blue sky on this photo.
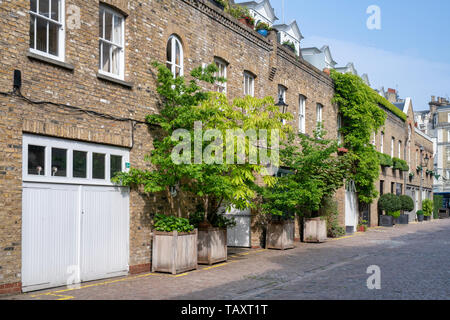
<point>410,53</point>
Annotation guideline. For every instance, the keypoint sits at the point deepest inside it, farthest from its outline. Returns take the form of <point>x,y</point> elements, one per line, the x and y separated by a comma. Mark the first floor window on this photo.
<point>249,84</point>
<point>399,149</point>
<point>392,147</point>
<point>174,56</point>
<point>111,38</point>
<point>319,115</point>
<point>302,114</point>
<point>382,142</point>
<point>222,73</point>
<point>47,28</point>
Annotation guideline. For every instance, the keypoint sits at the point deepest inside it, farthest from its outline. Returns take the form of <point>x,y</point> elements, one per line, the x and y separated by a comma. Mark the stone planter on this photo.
<point>404,219</point>
<point>280,235</point>
<point>443,214</point>
<point>420,217</point>
<point>174,252</point>
<point>212,245</point>
<point>386,221</point>
<point>314,230</point>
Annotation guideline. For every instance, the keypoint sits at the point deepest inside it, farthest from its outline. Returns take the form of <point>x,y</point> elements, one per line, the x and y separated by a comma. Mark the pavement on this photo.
<point>413,263</point>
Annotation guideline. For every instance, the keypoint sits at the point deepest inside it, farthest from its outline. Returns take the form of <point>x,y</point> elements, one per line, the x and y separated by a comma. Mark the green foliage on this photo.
<point>316,174</point>
<point>385,160</point>
<point>329,210</point>
<point>390,203</point>
<point>427,207</point>
<point>170,223</point>
<point>359,106</point>
<point>290,45</point>
<point>438,202</point>
<point>216,220</point>
<point>263,26</point>
<point>184,104</point>
<point>385,103</point>
<point>395,214</point>
<point>239,12</point>
<point>400,164</point>
<point>407,203</point>
<point>222,2</point>
<point>420,212</point>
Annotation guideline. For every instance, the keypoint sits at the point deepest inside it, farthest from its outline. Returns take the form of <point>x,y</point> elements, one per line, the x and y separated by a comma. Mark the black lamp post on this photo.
<point>423,164</point>
<point>281,103</point>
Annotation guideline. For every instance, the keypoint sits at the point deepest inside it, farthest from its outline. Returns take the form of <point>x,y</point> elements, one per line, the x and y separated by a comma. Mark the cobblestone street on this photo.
<point>414,262</point>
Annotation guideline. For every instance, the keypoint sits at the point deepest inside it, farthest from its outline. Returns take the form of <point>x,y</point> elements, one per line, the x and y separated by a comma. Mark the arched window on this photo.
<point>175,56</point>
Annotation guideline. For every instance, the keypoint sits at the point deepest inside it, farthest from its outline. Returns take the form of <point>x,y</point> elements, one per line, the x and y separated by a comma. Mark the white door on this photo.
<point>75,222</point>
<point>239,236</point>
<point>351,210</point>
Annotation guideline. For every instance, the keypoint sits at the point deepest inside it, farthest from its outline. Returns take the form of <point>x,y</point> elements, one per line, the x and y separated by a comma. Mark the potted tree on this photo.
<point>263,28</point>
<point>174,247</point>
<point>407,205</point>
<point>427,207</point>
<point>390,203</point>
<point>420,215</point>
<point>212,236</point>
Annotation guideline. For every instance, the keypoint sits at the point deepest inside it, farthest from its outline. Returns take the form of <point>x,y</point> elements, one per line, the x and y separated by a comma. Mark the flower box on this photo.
<point>212,245</point>
<point>280,235</point>
<point>174,252</point>
<point>314,230</point>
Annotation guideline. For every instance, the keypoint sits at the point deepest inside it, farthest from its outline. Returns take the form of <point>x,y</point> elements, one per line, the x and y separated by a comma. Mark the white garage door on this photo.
<point>239,236</point>
<point>72,232</point>
<point>351,207</point>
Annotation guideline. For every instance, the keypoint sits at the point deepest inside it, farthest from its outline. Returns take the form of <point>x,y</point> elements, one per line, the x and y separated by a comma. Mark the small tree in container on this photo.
<point>391,204</point>
<point>407,206</point>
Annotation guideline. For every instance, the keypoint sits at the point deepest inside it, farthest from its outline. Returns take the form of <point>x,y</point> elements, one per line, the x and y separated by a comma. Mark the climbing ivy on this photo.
<point>359,106</point>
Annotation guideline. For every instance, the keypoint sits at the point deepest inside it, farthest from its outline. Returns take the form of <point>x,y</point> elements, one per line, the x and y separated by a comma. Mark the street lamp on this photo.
<point>423,164</point>
<point>281,103</point>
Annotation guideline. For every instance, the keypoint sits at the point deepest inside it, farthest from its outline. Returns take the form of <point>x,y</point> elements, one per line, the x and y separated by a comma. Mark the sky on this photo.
<point>411,51</point>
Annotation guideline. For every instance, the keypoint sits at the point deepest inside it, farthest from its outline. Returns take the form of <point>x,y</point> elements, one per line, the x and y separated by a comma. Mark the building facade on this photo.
<point>87,86</point>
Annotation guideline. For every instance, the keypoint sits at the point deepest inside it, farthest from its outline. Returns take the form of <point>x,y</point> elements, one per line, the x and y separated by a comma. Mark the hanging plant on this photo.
<point>419,169</point>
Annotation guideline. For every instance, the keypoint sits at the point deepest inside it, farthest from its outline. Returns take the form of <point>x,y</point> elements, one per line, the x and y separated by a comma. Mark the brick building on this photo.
<point>92,61</point>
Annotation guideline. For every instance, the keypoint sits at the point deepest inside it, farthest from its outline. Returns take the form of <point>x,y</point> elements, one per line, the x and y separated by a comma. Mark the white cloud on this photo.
<point>414,77</point>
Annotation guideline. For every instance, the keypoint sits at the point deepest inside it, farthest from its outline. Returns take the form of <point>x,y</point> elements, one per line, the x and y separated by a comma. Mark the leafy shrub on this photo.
<point>407,203</point>
<point>290,45</point>
<point>170,223</point>
<point>400,164</point>
<point>390,203</point>
<point>427,207</point>
<point>395,214</point>
<point>438,202</point>
<point>329,210</point>
<point>385,160</point>
<point>420,212</point>
<point>263,26</point>
<point>216,220</point>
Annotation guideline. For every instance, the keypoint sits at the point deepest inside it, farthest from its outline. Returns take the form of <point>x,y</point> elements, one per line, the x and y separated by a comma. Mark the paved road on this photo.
<point>414,261</point>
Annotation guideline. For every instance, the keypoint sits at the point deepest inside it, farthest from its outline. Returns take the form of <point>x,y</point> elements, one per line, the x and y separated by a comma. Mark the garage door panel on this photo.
<point>105,232</point>
<point>50,227</point>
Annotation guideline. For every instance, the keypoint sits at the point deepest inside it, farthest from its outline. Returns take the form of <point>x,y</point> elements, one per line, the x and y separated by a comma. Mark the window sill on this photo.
<point>114,80</point>
<point>51,61</point>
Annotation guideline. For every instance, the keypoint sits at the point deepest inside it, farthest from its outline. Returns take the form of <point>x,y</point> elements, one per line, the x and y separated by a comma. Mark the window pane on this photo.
<point>79,164</point>
<point>118,30</point>
<point>106,57</point>
<point>108,26</point>
<point>177,53</point>
<point>100,25</point>
<point>33,5</point>
<point>55,10</point>
<point>169,51</point>
<point>98,166</point>
<point>44,8</point>
<point>36,160</point>
<point>116,61</point>
<point>53,39</point>
<point>116,165</point>
<point>59,162</point>
<point>41,37</point>
<point>32,19</point>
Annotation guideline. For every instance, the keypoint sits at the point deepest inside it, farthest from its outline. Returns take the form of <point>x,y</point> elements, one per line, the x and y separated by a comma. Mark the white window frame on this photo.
<point>282,91</point>
<point>249,82</point>
<point>319,114</point>
<point>113,44</point>
<point>448,117</point>
<point>221,87</point>
<point>61,32</point>
<point>399,149</point>
<point>382,142</point>
<point>302,114</point>
<point>392,146</point>
<point>174,40</point>
<point>70,146</point>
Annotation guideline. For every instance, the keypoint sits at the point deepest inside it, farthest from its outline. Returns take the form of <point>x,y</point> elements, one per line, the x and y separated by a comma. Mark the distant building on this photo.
<point>349,68</point>
<point>262,11</point>
<point>319,58</point>
<point>289,33</point>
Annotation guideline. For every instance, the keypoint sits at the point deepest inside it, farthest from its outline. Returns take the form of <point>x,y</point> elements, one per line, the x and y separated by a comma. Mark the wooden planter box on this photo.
<point>314,230</point>
<point>280,235</point>
<point>212,245</point>
<point>174,252</point>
